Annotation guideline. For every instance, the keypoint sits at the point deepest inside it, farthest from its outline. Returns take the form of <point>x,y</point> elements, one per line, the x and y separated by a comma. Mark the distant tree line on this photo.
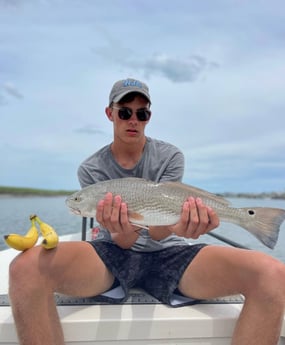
<point>22,191</point>
<point>271,195</point>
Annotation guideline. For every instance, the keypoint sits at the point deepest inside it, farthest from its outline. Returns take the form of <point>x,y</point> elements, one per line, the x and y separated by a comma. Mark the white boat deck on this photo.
<point>139,321</point>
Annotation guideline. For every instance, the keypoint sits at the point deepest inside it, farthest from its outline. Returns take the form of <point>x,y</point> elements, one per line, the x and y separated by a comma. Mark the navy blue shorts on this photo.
<point>158,273</point>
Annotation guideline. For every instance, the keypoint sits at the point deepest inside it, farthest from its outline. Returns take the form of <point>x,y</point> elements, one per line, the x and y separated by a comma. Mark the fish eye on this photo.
<point>251,212</point>
<point>77,198</point>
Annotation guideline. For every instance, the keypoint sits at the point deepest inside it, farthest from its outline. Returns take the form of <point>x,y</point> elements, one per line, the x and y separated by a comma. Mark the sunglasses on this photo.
<point>125,113</point>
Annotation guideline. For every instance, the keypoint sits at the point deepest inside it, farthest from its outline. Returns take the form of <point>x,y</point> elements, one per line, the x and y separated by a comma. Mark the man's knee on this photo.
<point>275,277</point>
<point>23,273</point>
<point>269,284</point>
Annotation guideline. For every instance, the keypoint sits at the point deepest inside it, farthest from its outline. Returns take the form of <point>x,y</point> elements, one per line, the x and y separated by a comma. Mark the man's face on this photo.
<point>132,129</point>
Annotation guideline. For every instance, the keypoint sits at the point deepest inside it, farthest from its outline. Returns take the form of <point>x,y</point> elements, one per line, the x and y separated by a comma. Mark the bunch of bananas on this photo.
<point>24,242</point>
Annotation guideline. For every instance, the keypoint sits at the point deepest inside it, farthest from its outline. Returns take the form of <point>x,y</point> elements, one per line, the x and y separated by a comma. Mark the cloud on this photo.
<point>89,129</point>
<point>12,90</point>
<point>20,3</point>
<point>8,89</point>
<point>9,3</point>
<point>252,164</point>
<point>176,69</point>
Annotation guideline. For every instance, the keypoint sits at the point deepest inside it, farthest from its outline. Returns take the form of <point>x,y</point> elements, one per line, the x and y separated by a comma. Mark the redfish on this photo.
<point>158,204</point>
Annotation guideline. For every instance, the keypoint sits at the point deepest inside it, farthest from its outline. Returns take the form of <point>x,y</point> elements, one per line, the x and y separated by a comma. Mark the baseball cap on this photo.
<point>122,87</point>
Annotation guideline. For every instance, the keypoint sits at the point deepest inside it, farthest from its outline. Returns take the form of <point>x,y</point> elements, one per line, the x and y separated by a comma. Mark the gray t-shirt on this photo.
<point>160,161</point>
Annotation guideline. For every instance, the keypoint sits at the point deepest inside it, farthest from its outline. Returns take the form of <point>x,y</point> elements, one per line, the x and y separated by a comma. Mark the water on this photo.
<point>15,211</point>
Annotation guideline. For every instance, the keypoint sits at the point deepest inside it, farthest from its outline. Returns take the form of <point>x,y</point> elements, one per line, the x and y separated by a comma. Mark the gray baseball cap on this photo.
<point>122,87</point>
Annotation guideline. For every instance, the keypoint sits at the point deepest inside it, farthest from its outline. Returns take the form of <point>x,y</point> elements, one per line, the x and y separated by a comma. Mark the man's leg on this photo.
<point>220,271</point>
<point>72,268</point>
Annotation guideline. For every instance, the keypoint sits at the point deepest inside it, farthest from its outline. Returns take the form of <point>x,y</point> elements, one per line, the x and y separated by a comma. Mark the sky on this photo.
<point>215,69</point>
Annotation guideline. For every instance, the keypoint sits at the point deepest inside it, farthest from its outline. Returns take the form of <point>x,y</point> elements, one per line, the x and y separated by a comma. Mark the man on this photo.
<point>158,259</point>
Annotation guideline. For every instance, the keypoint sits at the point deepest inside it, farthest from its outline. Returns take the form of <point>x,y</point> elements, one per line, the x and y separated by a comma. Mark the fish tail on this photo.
<point>264,223</point>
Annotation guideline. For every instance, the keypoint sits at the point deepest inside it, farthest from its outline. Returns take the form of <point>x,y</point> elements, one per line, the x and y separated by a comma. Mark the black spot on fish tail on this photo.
<point>251,212</point>
<point>264,223</point>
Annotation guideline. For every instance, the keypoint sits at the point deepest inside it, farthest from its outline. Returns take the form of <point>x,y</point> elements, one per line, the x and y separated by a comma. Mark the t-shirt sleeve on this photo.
<point>84,177</point>
<point>174,168</point>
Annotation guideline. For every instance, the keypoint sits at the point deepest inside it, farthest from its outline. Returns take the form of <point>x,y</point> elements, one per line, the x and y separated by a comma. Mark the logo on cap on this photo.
<point>132,82</point>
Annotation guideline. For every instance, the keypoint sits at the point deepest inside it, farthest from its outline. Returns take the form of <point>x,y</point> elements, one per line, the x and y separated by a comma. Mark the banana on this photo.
<point>50,236</point>
<point>20,242</point>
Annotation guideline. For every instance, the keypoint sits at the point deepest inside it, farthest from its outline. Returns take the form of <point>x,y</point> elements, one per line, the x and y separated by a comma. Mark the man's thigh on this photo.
<point>221,271</point>
<point>75,268</point>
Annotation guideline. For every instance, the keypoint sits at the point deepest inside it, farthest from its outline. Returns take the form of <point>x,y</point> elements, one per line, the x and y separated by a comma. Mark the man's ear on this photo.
<point>108,112</point>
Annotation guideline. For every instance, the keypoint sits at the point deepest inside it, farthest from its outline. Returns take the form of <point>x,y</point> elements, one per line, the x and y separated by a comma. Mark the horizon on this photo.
<point>27,188</point>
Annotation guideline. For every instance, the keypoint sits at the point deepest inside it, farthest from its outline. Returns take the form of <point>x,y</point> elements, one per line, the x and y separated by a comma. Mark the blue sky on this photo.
<point>216,72</point>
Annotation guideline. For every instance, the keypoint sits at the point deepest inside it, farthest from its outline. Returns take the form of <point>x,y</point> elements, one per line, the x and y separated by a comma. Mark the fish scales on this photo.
<point>158,204</point>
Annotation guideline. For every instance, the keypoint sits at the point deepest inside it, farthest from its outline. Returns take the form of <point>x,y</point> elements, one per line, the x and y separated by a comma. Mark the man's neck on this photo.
<point>128,155</point>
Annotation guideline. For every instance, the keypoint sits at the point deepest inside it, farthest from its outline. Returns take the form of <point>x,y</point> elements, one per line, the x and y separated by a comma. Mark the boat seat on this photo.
<point>136,296</point>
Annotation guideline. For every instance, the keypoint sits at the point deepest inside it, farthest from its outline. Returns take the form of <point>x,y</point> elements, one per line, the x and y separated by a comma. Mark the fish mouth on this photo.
<point>75,210</point>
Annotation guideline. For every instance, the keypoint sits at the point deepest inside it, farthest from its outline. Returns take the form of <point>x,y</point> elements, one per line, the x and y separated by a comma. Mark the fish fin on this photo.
<point>135,216</point>
<point>264,224</point>
<point>197,192</point>
<point>140,226</point>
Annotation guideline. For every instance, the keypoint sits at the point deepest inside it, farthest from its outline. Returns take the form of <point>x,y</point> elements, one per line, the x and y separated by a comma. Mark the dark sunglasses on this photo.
<point>125,113</point>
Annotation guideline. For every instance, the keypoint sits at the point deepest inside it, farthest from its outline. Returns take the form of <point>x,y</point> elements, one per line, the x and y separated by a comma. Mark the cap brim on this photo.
<point>119,97</point>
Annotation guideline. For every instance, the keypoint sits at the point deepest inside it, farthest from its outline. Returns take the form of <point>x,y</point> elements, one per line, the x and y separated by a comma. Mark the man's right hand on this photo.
<point>112,214</point>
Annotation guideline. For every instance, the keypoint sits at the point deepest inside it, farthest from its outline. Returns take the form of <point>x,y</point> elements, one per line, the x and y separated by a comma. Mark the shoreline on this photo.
<point>27,192</point>
<point>34,192</point>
